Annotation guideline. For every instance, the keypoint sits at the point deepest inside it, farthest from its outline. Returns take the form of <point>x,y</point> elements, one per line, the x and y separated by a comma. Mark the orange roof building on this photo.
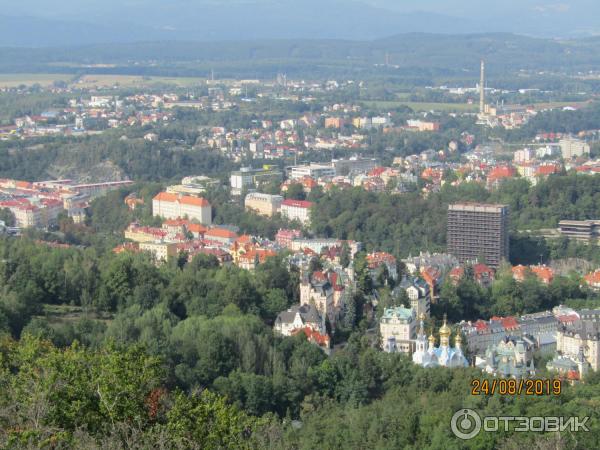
<point>544,273</point>
<point>377,259</point>
<point>221,235</point>
<point>132,201</point>
<point>499,173</point>
<point>519,272</point>
<point>593,280</point>
<point>174,206</point>
<point>254,257</point>
<point>313,336</point>
<point>547,169</point>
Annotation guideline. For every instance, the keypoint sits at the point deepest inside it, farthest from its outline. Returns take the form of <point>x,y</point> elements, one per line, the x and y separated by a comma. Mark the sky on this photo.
<point>72,21</point>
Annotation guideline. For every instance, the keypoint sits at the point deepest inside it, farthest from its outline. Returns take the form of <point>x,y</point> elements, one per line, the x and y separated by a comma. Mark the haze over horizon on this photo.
<point>109,21</point>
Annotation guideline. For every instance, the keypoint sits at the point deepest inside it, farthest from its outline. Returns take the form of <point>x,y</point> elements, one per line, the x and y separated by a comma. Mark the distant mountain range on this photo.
<point>418,55</point>
<point>32,23</point>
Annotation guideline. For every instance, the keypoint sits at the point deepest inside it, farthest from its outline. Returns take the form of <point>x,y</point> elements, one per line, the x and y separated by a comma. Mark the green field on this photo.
<point>457,107</point>
<point>419,107</point>
<point>91,81</point>
<point>13,80</point>
<point>553,105</point>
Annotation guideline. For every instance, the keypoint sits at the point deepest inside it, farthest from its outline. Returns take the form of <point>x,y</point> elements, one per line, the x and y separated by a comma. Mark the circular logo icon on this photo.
<point>465,424</point>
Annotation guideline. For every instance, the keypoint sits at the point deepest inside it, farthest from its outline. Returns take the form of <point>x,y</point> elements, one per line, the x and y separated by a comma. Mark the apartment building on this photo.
<point>478,231</point>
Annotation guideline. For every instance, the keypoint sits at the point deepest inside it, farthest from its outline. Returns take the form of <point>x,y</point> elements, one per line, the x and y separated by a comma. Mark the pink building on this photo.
<point>284,237</point>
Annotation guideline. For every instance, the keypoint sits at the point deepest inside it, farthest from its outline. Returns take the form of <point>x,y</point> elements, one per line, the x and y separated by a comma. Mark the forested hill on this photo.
<point>412,51</point>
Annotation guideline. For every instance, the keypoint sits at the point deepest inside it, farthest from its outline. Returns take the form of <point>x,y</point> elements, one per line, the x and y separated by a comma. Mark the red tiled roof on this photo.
<point>220,233</point>
<point>509,323</point>
<point>309,183</point>
<point>568,318</point>
<point>377,171</point>
<point>544,273</point>
<point>547,169</point>
<point>196,228</point>
<point>319,276</point>
<point>244,239</point>
<point>184,199</point>
<point>592,278</point>
<point>430,274</point>
<point>127,247</point>
<point>260,254</point>
<point>314,336</point>
<point>176,222</point>
<point>519,272</point>
<point>297,203</point>
<point>377,258</point>
<point>456,273</point>
<point>479,269</point>
<point>481,325</point>
<point>23,184</point>
<point>501,172</point>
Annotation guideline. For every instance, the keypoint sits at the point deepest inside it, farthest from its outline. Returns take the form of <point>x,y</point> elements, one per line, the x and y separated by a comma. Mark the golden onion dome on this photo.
<point>445,331</point>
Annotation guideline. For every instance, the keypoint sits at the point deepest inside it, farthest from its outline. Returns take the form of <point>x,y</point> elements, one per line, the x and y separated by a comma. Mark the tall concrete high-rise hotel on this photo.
<point>478,231</point>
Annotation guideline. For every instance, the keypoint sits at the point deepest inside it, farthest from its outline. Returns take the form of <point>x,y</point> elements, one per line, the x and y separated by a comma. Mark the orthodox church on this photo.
<point>510,358</point>
<point>427,355</point>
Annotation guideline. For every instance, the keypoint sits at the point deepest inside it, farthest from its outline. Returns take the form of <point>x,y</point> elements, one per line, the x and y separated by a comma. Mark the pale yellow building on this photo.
<point>263,204</point>
<point>161,251</point>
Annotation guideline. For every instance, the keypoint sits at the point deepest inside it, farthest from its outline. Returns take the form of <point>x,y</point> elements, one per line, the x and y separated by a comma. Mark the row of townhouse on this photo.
<point>542,327</point>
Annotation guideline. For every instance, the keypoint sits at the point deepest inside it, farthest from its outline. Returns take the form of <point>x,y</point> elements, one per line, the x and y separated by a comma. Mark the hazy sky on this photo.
<point>127,20</point>
<point>460,8</point>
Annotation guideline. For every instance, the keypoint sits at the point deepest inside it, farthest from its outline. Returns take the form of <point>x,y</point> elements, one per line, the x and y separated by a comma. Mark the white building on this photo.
<point>523,155</point>
<point>297,318</point>
<point>296,210</point>
<point>354,165</point>
<point>36,213</point>
<point>248,178</point>
<point>312,170</point>
<point>548,150</point>
<point>397,327</point>
<point>381,121</point>
<point>240,180</point>
<point>172,206</point>
<point>256,146</point>
<point>317,245</point>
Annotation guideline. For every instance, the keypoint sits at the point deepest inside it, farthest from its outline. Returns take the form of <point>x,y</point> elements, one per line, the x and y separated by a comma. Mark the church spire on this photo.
<point>422,325</point>
<point>445,333</point>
